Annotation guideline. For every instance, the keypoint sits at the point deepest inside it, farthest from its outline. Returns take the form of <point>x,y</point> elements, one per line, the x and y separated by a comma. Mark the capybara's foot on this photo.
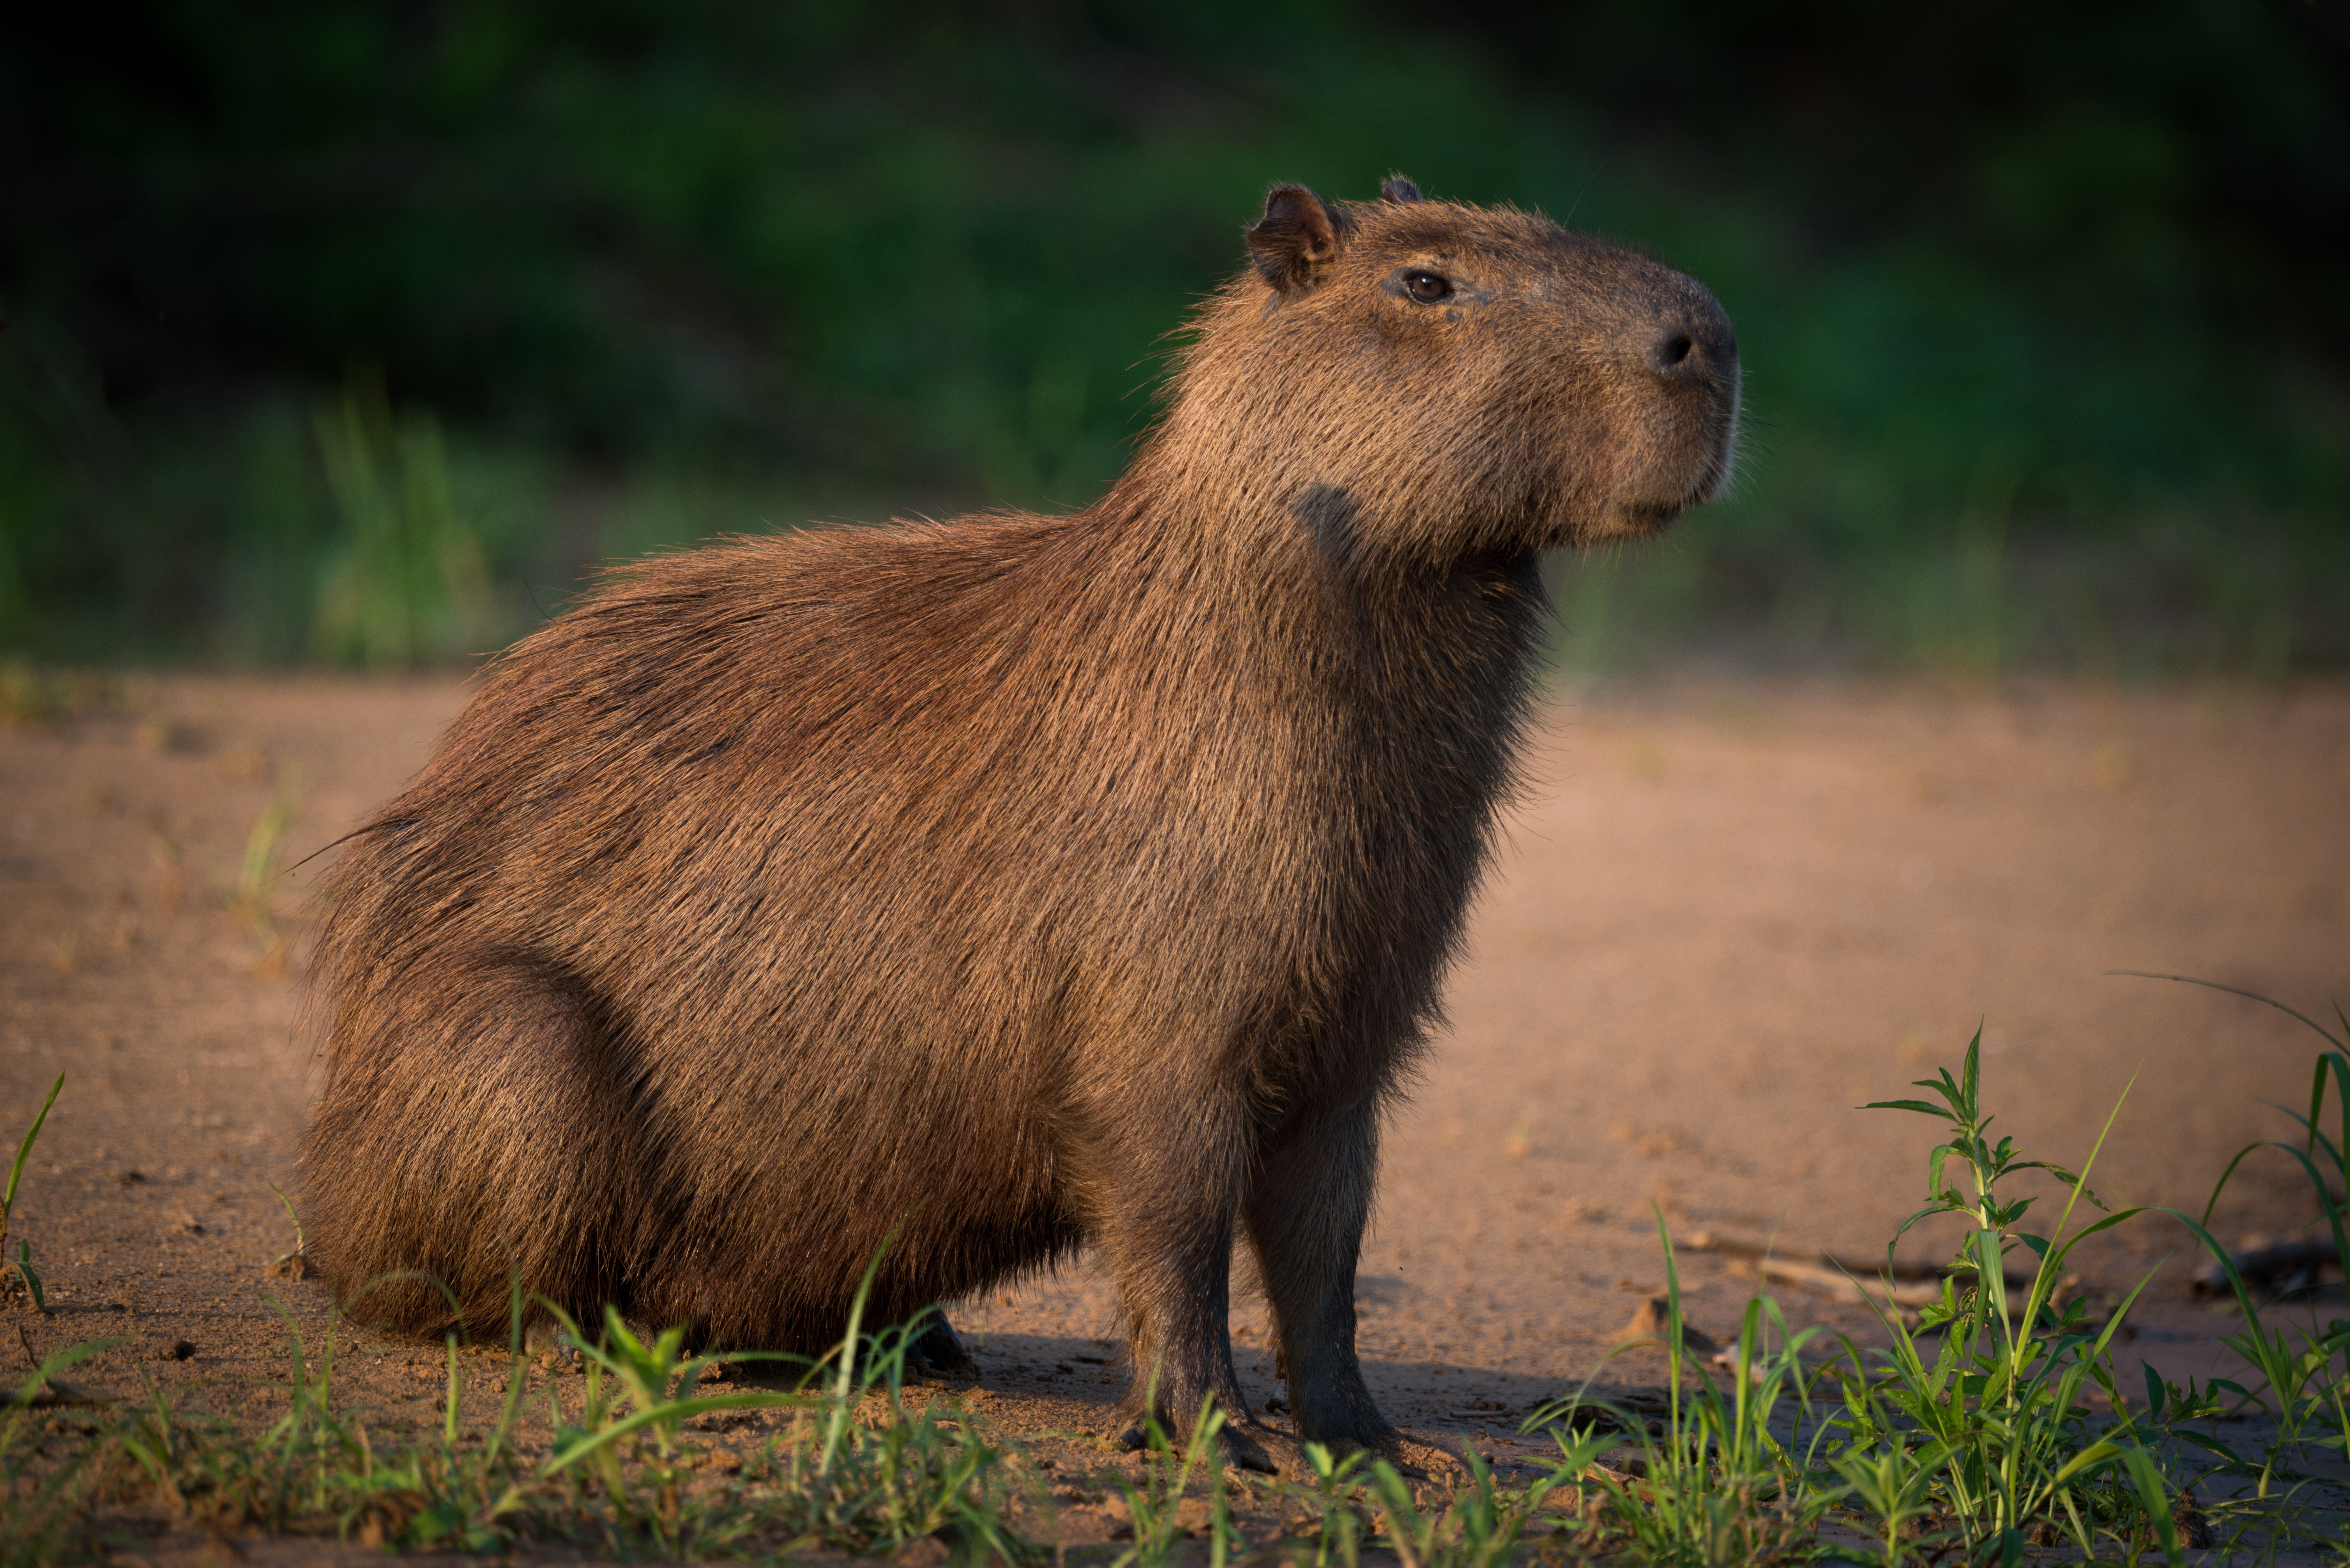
<point>1253,1447</point>
<point>1413,1459</point>
<point>1280,1453</point>
<point>938,1348</point>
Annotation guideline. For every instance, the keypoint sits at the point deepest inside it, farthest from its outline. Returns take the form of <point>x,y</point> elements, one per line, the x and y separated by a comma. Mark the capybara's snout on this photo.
<point>1692,345</point>
<point>1678,361</point>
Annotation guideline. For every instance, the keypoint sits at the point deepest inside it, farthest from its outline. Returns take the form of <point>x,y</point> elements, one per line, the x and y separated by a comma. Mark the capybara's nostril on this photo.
<point>1694,346</point>
<point>1678,352</point>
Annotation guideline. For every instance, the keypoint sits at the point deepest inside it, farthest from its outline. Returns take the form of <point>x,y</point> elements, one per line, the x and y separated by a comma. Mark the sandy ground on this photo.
<point>1724,916</point>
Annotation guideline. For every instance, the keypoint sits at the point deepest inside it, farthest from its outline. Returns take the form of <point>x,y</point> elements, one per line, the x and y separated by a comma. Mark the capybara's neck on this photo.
<point>1202,534</point>
<point>1409,668</point>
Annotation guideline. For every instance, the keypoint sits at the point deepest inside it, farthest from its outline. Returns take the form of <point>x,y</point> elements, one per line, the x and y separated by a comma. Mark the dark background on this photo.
<point>332,326</point>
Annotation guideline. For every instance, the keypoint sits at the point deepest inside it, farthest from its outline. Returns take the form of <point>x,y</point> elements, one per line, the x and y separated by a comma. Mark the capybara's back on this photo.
<point>1014,882</point>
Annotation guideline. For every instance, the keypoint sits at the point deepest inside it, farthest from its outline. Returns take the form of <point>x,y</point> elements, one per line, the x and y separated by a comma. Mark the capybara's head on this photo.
<point>1421,380</point>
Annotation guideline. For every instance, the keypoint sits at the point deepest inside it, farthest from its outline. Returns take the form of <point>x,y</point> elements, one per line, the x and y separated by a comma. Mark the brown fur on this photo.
<point>1031,881</point>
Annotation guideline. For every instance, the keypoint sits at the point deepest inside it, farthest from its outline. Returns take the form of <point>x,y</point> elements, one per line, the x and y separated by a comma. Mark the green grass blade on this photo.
<point>2341,1065</point>
<point>25,1148</point>
<point>1919,1105</point>
<point>2157,1503</point>
<point>51,1365</point>
<point>2224,1175</point>
<point>2323,1032</point>
<point>2094,1454</point>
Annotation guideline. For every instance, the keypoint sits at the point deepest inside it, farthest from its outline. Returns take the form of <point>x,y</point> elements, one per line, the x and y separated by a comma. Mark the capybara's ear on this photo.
<point>1296,241</point>
<point>1399,189</point>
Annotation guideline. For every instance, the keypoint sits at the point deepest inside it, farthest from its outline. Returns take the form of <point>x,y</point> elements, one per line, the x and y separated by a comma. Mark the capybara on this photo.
<point>1016,883</point>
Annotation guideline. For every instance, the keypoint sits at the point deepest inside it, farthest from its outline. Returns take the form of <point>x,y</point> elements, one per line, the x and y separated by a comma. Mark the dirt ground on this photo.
<point>1725,915</point>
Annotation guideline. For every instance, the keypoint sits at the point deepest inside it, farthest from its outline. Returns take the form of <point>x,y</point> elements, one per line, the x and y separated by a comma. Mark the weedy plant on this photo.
<point>618,1470</point>
<point>2303,1385</point>
<point>861,1471</point>
<point>1328,1498</point>
<point>1969,1431</point>
<point>624,1462</point>
<point>43,1496</point>
<point>1479,1525</point>
<point>855,1470</point>
<point>1994,1403</point>
<point>304,1466</point>
<point>1715,1485</point>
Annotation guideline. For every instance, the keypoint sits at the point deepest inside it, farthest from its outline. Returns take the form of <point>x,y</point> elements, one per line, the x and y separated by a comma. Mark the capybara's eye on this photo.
<point>1427,287</point>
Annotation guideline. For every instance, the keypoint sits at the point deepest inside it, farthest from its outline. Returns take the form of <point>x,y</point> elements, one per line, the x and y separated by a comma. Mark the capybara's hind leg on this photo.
<point>473,1138</point>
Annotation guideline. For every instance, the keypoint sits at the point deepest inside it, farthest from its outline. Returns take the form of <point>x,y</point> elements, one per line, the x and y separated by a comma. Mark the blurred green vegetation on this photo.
<point>357,331</point>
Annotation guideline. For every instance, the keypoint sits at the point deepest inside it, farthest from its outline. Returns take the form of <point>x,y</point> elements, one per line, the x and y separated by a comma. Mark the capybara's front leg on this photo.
<point>1166,1234</point>
<point>1305,1214</point>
